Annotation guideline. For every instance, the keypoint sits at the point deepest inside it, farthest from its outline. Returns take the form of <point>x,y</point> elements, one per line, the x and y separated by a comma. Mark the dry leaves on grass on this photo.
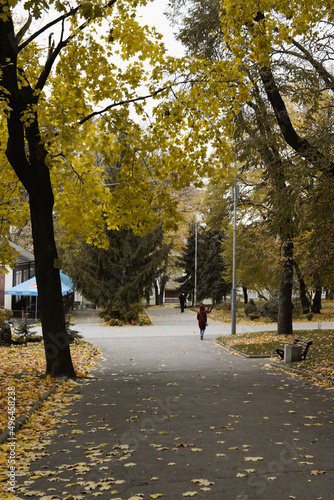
<point>21,370</point>
<point>22,367</point>
<point>319,360</point>
<point>30,443</point>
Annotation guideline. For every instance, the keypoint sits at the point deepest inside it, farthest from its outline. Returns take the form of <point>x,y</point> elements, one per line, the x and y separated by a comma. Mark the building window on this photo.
<point>18,277</point>
<point>32,270</point>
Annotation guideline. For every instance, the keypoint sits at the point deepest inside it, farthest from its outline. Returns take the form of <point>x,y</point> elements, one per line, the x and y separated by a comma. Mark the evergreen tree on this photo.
<point>23,329</point>
<point>116,278</point>
<point>186,261</point>
<point>213,284</point>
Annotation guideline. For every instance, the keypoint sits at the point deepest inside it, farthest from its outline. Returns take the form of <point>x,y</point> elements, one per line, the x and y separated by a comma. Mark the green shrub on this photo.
<point>19,339</point>
<point>5,315</point>
<point>115,314</point>
<point>269,309</point>
<point>144,320</point>
<point>251,309</point>
<point>117,311</point>
<point>114,322</point>
<point>22,330</point>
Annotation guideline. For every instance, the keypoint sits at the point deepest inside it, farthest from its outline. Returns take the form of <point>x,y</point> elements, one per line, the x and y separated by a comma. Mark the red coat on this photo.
<point>202,317</point>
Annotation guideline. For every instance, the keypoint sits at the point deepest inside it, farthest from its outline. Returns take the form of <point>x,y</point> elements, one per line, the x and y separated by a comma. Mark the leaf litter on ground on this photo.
<point>319,360</point>
<point>23,368</point>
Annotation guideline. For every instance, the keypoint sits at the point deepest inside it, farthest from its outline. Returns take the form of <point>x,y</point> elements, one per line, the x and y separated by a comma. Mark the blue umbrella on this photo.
<point>29,287</point>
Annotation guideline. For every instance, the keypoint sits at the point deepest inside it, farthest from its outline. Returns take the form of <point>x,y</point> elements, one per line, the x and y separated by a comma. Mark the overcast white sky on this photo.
<point>153,15</point>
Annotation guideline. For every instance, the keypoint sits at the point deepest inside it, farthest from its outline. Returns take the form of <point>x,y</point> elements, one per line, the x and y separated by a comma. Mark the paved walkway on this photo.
<point>167,415</point>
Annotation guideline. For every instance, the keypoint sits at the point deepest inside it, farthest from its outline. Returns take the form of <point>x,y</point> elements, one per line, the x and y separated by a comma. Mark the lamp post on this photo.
<point>195,280</point>
<point>235,194</point>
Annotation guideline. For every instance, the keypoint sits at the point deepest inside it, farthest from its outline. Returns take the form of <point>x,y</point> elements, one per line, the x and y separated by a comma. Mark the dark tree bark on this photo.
<point>304,300</point>
<point>285,306</point>
<point>245,292</point>
<point>275,166</point>
<point>163,282</point>
<point>157,295</point>
<point>295,141</point>
<point>56,339</point>
<point>316,306</point>
<point>26,154</point>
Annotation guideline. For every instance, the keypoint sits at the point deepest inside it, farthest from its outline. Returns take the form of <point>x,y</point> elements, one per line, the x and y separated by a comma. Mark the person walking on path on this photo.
<point>182,300</point>
<point>202,320</point>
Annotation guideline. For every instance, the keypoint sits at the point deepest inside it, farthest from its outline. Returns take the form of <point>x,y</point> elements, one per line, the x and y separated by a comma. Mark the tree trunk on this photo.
<point>301,145</point>
<point>35,176</point>
<point>157,296</point>
<point>316,306</point>
<point>163,282</point>
<point>56,339</point>
<point>245,292</point>
<point>304,300</point>
<point>161,296</point>
<point>284,319</point>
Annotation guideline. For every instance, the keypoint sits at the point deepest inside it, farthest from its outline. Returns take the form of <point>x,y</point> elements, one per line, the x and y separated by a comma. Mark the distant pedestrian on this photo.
<point>182,300</point>
<point>202,320</point>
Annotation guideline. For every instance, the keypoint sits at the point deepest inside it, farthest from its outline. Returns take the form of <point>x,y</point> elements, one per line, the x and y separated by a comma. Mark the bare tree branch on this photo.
<point>46,27</point>
<point>298,143</point>
<point>120,103</point>
<point>59,19</point>
<point>321,70</point>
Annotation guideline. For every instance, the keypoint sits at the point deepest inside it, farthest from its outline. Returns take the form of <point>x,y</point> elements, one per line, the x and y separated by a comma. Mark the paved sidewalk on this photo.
<point>167,415</point>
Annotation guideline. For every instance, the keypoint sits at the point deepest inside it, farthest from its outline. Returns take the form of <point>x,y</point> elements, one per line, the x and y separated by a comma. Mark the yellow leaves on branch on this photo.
<point>85,75</point>
<point>254,27</point>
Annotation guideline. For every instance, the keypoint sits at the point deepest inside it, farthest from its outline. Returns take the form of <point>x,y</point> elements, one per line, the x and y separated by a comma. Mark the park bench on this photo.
<point>305,347</point>
<point>209,309</point>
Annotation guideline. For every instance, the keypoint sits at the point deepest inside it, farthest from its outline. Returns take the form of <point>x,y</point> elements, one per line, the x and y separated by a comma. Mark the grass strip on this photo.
<point>320,357</point>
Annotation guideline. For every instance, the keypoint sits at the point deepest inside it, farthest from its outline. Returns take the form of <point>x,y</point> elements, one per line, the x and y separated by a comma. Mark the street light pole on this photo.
<point>195,280</point>
<point>234,271</point>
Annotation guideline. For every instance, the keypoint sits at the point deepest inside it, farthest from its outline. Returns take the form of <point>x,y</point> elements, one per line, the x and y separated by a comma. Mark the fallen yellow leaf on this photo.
<point>202,482</point>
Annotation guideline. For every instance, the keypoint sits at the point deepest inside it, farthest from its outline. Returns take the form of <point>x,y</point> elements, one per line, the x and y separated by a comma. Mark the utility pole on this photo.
<point>235,194</point>
<point>195,280</point>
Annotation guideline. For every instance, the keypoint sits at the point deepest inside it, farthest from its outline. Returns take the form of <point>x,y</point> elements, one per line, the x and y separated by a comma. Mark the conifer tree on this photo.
<point>211,281</point>
<point>186,260</point>
<point>116,278</point>
<point>214,283</point>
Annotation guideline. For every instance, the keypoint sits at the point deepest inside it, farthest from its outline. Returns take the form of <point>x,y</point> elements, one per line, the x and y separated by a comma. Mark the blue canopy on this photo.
<point>29,287</point>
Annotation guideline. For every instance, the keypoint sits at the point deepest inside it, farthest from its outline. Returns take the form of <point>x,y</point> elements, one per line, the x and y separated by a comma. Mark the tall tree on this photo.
<point>194,246</point>
<point>251,63</point>
<point>48,109</point>
<point>214,283</point>
<point>116,278</point>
